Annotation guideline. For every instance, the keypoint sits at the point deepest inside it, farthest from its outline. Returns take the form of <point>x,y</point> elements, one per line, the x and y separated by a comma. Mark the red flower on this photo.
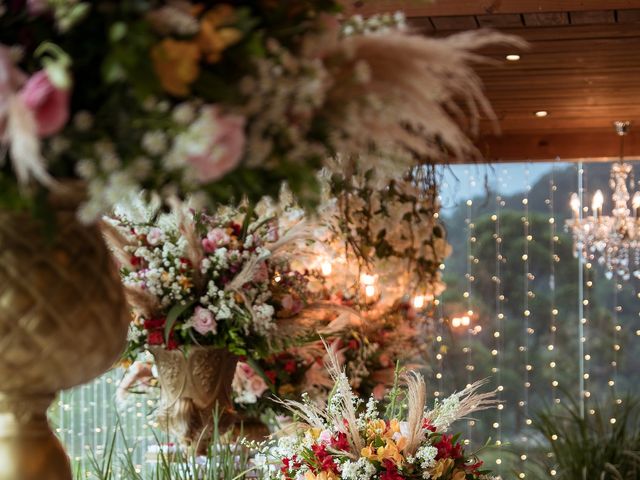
<point>426,425</point>
<point>473,468</point>
<point>324,458</point>
<point>290,366</point>
<point>391,471</point>
<point>340,442</point>
<point>236,228</point>
<point>173,343</point>
<point>271,375</point>
<point>353,344</point>
<point>134,261</point>
<point>155,338</point>
<point>154,323</point>
<point>448,450</point>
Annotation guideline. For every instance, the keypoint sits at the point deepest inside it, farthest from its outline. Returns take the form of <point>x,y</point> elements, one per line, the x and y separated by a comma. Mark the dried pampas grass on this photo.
<point>420,94</point>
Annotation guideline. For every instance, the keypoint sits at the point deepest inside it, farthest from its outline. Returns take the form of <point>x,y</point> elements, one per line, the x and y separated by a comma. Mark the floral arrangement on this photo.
<point>353,441</point>
<point>389,234</point>
<point>212,280</point>
<point>368,351</point>
<point>223,100</point>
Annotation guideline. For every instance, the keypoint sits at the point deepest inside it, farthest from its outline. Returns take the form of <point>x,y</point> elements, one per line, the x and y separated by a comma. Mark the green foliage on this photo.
<point>227,458</point>
<point>593,448</point>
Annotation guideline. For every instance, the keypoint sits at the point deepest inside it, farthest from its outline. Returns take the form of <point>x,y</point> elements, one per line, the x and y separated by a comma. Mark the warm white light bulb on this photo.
<point>370,291</point>
<point>455,322</point>
<point>367,279</point>
<point>465,320</point>
<point>326,268</point>
<point>418,301</point>
<point>598,200</point>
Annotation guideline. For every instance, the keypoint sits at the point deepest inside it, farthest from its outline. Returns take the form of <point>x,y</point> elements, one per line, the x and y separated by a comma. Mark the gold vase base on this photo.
<point>29,450</point>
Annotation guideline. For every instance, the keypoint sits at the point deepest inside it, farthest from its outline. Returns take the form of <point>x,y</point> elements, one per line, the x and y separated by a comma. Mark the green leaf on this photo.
<point>173,315</point>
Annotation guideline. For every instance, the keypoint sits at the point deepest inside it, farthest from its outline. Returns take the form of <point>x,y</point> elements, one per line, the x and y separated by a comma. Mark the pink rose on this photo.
<point>224,148</point>
<point>291,304</point>
<point>155,236</point>
<point>324,437</point>
<point>379,391</point>
<point>215,238</point>
<point>257,385</point>
<point>203,321</point>
<point>49,104</point>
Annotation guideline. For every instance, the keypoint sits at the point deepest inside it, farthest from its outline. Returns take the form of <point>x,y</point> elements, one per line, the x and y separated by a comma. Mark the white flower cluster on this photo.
<point>165,275</point>
<point>360,470</point>
<point>426,455</point>
<point>445,413</point>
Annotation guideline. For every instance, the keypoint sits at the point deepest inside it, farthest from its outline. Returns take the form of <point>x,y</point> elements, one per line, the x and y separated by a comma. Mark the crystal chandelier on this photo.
<point>611,240</point>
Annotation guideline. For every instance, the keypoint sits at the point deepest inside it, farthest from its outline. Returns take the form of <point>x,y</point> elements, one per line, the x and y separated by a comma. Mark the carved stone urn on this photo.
<point>63,321</point>
<point>194,384</point>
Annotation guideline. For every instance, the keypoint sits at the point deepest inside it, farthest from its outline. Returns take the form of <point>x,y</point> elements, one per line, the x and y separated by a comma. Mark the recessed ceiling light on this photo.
<point>513,57</point>
<point>541,113</point>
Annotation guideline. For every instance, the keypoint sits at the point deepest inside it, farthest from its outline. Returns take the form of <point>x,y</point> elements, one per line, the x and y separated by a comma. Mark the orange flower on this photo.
<point>441,468</point>
<point>176,64</point>
<point>459,475</point>
<point>214,36</point>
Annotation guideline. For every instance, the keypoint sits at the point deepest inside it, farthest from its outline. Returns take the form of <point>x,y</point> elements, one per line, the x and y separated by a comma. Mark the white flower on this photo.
<point>86,168</point>
<point>426,455</point>
<point>155,143</point>
<point>83,121</point>
<point>360,470</point>
<point>184,113</point>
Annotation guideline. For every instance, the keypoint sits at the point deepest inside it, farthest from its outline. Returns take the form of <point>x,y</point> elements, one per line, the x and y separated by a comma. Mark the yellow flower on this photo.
<point>440,468</point>
<point>214,36</point>
<point>176,63</point>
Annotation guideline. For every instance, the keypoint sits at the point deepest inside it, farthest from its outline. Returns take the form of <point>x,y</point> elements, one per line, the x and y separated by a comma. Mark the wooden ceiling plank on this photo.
<point>628,16</point>
<point>546,19</point>
<point>447,8</point>
<point>510,147</point>
<point>592,17</point>
<point>467,22</point>
<point>508,20</point>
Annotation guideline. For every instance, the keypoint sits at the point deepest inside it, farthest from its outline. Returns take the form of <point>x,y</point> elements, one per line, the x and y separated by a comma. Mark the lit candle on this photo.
<point>635,202</point>
<point>596,205</point>
<point>575,205</point>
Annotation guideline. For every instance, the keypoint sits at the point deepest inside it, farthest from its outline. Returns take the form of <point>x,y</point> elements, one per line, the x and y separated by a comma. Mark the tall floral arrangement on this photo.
<point>220,279</point>
<point>368,349</point>
<point>221,99</point>
<point>351,440</point>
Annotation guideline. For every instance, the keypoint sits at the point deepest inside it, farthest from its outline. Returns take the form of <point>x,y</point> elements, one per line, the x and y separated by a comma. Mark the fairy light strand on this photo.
<point>467,350</point>
<point>497,351</point>
<point>528,331</point>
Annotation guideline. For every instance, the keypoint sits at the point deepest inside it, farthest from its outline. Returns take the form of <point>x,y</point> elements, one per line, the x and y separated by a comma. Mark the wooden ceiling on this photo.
<point>582,67</point>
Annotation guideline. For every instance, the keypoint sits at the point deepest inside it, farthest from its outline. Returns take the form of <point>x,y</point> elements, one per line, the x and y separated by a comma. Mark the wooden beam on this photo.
<point>586,144</point>
<point>425,8</point>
